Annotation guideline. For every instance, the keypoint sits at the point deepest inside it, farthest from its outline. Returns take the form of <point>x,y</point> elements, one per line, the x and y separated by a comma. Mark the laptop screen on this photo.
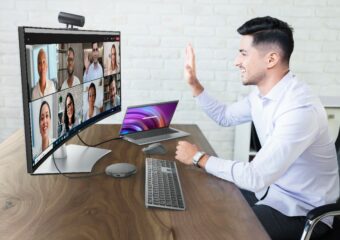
<point>148,117</point>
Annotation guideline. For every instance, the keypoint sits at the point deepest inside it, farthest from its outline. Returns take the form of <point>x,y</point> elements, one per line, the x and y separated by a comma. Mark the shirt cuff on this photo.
<point>202,98</point>
<point>220,168</point>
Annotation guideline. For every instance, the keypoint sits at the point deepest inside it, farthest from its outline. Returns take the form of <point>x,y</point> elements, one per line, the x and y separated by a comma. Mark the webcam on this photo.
<point>71,19</point>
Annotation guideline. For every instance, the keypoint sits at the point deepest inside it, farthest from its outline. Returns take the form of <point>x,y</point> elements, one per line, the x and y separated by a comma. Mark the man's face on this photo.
<point>69,107</point>
<point>251,62</point>
<point>42,66</point>
<point>70,63</point>
<point>92,97</point>
<point>45,121</point>
<point>95,52</point>
<point>112,91</point>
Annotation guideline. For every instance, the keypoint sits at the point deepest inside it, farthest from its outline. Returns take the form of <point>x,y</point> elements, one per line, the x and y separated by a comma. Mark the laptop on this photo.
<point>150,123</point>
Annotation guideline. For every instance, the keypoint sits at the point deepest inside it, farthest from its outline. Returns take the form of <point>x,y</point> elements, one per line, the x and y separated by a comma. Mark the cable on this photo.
<point>95,145</point>
<point>83,176</point>
<point>88,145</point>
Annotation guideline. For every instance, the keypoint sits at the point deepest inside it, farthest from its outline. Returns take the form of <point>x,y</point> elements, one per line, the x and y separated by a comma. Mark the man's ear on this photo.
<point>272,59</point>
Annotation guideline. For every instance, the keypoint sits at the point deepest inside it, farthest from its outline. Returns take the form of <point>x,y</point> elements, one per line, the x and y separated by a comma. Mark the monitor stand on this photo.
<point>72,159</point>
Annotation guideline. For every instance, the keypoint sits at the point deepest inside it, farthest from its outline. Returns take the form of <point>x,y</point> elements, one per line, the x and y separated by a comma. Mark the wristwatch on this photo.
<point>197,157</point>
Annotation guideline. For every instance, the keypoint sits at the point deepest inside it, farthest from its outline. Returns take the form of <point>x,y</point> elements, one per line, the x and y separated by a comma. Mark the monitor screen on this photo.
<point>70,80</point>
<point>148,117</point>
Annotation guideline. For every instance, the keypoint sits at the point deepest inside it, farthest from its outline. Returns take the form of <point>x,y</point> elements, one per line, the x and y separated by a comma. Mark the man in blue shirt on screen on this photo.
<point>296,169</point>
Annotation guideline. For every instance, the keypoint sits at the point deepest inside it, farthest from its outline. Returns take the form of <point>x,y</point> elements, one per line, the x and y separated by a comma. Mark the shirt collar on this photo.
<point>278,89</point>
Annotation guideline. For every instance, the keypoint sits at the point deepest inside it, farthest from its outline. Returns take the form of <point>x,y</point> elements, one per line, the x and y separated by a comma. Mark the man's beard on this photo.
<point>70,72</point>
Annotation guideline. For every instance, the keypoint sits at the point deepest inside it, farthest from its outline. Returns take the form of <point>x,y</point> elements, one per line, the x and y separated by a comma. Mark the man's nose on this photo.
<point>237,62</point>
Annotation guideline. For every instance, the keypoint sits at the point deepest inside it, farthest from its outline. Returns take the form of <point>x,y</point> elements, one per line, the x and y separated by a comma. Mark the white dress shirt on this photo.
<point>49,89</point>
<point>75,82</point>
<point>94,72</point>
<point>297,159</point>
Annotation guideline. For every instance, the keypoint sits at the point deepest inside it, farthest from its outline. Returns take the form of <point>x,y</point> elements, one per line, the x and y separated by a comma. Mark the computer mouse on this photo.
<point>120,170</point>
<point>155,148</point>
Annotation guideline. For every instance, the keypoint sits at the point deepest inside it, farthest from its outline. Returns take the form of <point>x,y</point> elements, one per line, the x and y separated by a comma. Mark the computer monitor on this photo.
<point>70,80</point>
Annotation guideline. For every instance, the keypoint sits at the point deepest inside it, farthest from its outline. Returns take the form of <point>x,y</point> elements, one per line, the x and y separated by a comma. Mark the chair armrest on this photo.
<point>319,211</point>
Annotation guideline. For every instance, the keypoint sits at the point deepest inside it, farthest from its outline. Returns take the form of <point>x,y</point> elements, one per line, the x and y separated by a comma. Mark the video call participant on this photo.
<point>94,70</point>
<point>112,66</point>
<point>72,80</point>
<point>70,119</point>
<point>44,86</point>
<point>44,125</point>
<point>296,169</point>
<point>91,97</point>
<point>114,98</point>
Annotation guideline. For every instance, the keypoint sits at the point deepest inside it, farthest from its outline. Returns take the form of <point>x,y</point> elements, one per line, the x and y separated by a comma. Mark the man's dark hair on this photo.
<point>70,49</point>
<point>94,43</point>
<point>269,30</point>
<point>112,79</point>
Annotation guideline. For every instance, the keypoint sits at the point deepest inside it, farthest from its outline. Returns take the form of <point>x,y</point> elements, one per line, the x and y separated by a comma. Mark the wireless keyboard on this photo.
<point>162,186</point>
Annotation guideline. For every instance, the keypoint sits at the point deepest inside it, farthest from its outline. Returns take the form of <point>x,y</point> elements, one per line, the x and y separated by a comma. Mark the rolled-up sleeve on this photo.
<point>234,114</point>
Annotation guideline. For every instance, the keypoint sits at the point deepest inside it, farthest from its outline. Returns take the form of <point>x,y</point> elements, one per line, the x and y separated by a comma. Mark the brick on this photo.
<point>10,70</point>
<point>331,46</point>
<point>175,84</point>
<point>310,3</point>
<point>310,67</point>
<point>177,20</point>
<point>30,5</point>
<point>174,64</point>
<point>136,52</point>
<point>199,31</point>
<point>332,23</point>
<point>205,42</point>
<point>139,19</point>
<point>166,74</point>
<point>197,9</point>
<point>320,57</point>
<point>136,74</point>
<point>327,11</point>
<point>332,67</point>
<point>228,10</point>
<point>205,75</point>
<point>166,30</point>
<point>333,2</point>
<point>211,21</point>
<point>135,30</point>
<point>169,8</point>
<point>143,41</point>
<point>172,41</point>
<point>145,84</point>
<point>212,64</point>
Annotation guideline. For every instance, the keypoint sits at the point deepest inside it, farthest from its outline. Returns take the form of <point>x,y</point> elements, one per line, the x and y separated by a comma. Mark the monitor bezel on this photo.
<point>22,30</point>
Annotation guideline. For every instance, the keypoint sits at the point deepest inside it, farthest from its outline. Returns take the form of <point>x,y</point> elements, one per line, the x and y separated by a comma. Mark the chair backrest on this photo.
<point>337,148</point>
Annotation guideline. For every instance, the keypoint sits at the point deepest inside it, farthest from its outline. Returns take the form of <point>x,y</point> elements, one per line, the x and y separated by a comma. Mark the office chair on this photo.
<point>316,215</point>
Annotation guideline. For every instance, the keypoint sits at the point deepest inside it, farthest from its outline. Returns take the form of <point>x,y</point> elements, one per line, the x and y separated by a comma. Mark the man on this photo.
<point>296,169</point>
<point>114,98</point>
<point>72,80</point>
<point>94,70</point>
<point>44,86</point>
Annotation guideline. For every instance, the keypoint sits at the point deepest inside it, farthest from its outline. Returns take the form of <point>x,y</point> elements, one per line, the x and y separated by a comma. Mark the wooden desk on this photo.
<point>101,207</point>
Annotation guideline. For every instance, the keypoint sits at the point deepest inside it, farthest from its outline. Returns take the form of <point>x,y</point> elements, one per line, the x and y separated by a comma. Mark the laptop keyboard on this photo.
<point>152,133</point>
<point>162,186</point>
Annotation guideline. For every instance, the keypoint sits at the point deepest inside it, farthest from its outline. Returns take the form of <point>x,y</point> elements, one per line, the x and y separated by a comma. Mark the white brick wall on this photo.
<point>154,35</point>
